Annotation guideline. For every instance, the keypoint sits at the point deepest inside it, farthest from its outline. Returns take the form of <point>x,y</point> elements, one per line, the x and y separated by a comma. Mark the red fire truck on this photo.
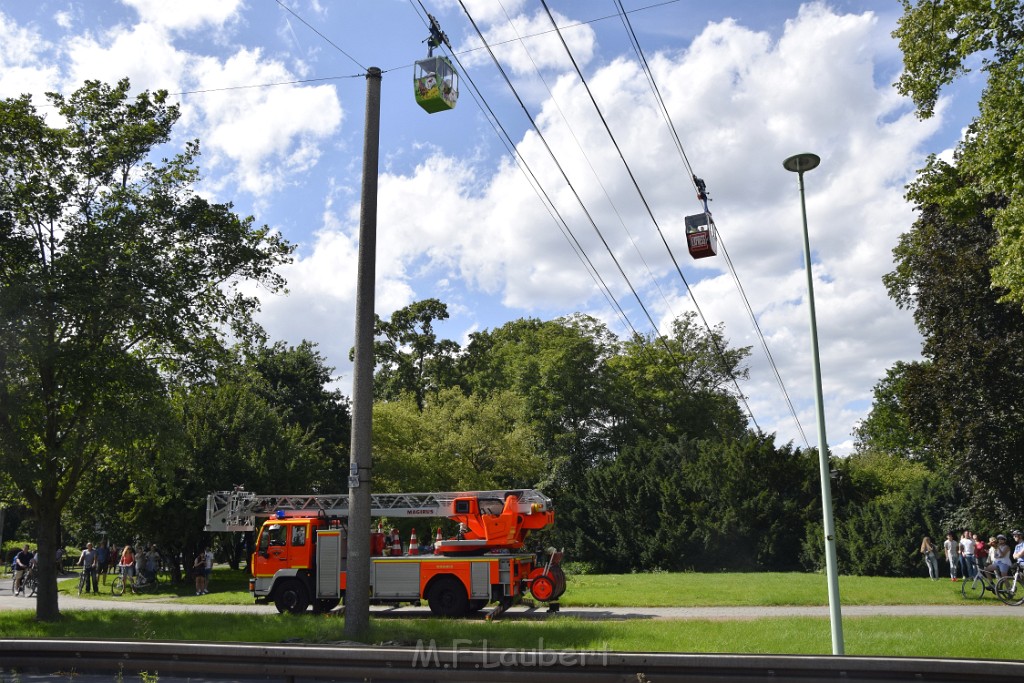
<point>301,554</point>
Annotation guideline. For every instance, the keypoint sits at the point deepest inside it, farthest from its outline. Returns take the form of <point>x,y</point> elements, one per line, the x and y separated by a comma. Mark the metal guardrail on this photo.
<point>429,662</point>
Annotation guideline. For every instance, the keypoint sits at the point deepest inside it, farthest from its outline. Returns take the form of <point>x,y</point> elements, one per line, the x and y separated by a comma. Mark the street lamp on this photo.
<point>799,164</point>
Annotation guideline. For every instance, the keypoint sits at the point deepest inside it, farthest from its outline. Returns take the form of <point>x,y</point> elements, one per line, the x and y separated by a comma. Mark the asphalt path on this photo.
<point>984,607</point>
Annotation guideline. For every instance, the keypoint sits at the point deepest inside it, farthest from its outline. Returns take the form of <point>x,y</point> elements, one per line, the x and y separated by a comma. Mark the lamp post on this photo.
<point>799,164</point>
<point>357,592</point>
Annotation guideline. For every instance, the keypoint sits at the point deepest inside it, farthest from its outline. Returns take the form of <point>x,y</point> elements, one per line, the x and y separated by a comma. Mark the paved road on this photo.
<point>985,607</point>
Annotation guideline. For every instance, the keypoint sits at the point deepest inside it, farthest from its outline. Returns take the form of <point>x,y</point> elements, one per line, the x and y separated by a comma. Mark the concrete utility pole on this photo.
<point>357,591</point>
<point>799,164</point>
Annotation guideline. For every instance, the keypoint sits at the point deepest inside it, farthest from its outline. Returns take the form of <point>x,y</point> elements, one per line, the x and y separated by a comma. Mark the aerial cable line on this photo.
<point>593,170</point>
<point>635,42</point>
<point>565,176</point>
<point>264,85</point>
<point>314,30</point>
<point>643,199</point>
<point>538,188</point>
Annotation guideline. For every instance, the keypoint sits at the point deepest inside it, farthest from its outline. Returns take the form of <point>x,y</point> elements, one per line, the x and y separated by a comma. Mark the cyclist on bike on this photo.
<point>1018,550</point>
<point>22,561</point>
<point>88,562</point>
<point>1001,555</point>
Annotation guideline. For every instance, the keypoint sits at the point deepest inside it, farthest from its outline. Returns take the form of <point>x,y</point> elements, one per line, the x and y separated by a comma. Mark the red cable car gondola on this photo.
<point>701,237</point>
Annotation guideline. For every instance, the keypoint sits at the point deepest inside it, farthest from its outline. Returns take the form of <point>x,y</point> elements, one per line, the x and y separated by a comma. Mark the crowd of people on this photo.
<point>971,553</point>
<point>99,562</point>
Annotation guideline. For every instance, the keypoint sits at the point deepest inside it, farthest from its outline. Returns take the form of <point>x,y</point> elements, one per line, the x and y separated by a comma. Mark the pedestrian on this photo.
<point>952,551</point>
<point>103,560</point>
<point>126,566</point>
<point>88,562</point>
<point>930,558</point>
<point>980,549</point>
<point>968,561</point>
<point>207,568</point>
<point>199,572</point>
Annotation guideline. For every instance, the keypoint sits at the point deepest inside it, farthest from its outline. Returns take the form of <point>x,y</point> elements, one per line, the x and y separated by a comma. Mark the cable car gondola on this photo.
<point>435,81</point>
<point>701,237</point>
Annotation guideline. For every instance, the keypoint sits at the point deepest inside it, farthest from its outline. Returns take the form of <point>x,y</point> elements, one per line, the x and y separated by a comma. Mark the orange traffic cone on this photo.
<point>396,544</point>
<point>414,545</point>
<point>439,537</point>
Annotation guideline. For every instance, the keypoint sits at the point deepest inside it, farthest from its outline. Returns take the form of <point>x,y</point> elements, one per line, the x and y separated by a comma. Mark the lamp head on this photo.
<point>798,163</point>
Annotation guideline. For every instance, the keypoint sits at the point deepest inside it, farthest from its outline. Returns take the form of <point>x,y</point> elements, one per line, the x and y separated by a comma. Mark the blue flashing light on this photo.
<point>279,514</point>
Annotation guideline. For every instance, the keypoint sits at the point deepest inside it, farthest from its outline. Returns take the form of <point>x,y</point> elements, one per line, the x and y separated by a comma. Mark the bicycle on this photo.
<point>984,580</point>
<point>136,583</point>
<point>30,582</point>
<point>1010,589</point>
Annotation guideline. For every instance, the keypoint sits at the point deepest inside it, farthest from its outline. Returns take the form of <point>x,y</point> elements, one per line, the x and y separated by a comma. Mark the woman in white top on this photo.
<point>1000,555</point>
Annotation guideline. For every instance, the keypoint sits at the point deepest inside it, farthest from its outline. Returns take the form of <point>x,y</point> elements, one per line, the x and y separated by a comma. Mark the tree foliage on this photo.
<point>409,356</point>
<point>967,399</point>
<point>113,274</point>
<point>941,41</point>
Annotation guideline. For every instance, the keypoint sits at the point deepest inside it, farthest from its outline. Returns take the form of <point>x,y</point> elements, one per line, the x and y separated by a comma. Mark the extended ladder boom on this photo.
<point>238,510</point>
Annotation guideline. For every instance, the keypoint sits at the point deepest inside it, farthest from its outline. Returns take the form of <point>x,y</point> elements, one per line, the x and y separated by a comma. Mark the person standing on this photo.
<point>199,572</point>
<point>103,560</point>
<point>930,558</point>
<point>88,562</point>
<point>969,562</point>
<point>952,551</point>
<point>207,568</point>
<point>1001,555</point>
<point>127,564</point>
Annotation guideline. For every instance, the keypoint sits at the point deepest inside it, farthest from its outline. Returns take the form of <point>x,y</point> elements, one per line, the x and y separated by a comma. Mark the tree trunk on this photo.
<point>48,522</point>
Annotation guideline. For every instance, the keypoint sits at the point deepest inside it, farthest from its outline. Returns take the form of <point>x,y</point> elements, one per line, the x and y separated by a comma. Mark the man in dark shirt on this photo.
<point>22,561</point>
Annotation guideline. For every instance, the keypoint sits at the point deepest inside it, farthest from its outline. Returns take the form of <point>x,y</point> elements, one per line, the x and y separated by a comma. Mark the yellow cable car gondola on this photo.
<point>435,80</point>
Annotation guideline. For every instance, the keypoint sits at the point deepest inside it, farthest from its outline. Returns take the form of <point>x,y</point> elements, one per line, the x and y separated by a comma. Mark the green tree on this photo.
<point>681,385</point>
<point>940,40</point>
<point>967,398</point>
<point>113,275</point>
<point>410,357</point>
<point>559,367</point>
<point>888,428</point>
<point>456,443</point>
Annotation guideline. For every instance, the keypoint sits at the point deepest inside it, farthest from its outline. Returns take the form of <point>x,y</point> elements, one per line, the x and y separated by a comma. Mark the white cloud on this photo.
<point>144,53</point>
<point>182,15</point>
<point>525,43</point>
<point>267,135</point>
<point>23,68</point>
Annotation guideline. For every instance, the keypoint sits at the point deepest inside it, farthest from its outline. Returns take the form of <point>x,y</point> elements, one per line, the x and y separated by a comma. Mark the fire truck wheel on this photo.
<point>291,597</point>
<point>542,588</point>
<point>448,597</point>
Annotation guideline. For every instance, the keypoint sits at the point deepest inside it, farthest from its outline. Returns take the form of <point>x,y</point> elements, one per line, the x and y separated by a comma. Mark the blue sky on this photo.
<point>747,84</point>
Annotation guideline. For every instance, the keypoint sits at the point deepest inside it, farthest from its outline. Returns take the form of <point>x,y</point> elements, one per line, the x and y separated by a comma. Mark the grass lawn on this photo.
<point>882,636</point>
<point>641,590</point>
<point>713,590</point>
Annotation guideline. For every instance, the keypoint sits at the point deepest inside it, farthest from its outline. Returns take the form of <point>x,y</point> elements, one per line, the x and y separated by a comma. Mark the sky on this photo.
<point>275,91</point>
